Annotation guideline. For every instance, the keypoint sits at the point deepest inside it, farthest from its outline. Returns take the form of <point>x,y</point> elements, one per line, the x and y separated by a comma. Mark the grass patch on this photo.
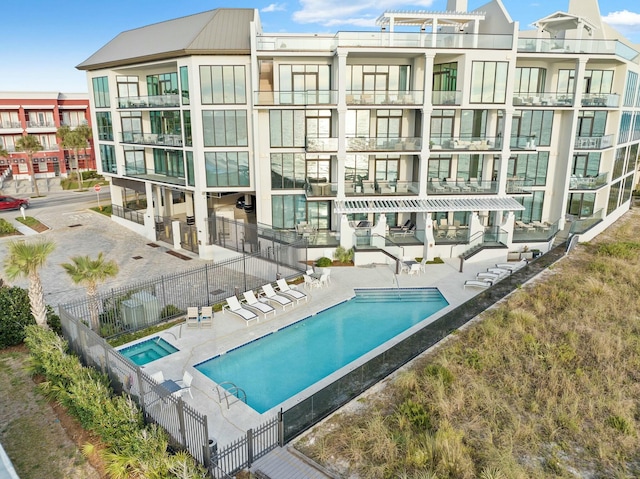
<point>106,210</point>
<point>546,385</point>
<point>6,228</point>
<point>32,223</point>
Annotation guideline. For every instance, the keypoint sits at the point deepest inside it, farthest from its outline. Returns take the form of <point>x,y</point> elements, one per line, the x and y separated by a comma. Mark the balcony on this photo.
<point>601,100</point>
<point>578,182</point>
<point>593,142</point>
<point>384,144</point>
<point>544,99</point>
<point>153,139</point>
<point>517,185</point>
<point>142,172</point>
<point>460,186</point>
<point>7,125</point>
<point>320,190</point>
<point>151,101</point>
<point>382,188</point>
<point>319,145</point>
<point>329,43</point>
<point>478,143</point>
<point>41,124</point>
<point>536,231</point>
<point>384,97</point>
<point>308,97</point>
<point>74,124</point>
<point>572,46</point>
<point>527,143</point>
<point>441,97</point>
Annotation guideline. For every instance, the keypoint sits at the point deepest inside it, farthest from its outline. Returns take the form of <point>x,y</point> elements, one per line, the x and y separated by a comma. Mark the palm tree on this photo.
<point>26,259</point>
<point>75,140</point>
<point>89,272</point>
<point>30,145</point>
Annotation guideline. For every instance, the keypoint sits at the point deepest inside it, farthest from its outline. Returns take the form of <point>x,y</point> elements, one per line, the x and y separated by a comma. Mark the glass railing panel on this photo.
<point>452,186</point>
<point>151,139</point>
<point>588,183</point>
<point>41,124</point>
<point>133,170</point>
<point>384,144</point>
<point>580,225</point>
<point>384,97</point>
<point>441,97</point>
<point>558,45</point>
<point>307,97</point>
<point>10,124</point>
<point>149,101</point>
<point>543,99</point>
<point>522,143</point>
<point>518,185</point>
<point>320,189</point>
<point>321,144</point>
<point>593,142</point>
<point>297,42</point>
<point>475,143</point>
<point>611,100</point>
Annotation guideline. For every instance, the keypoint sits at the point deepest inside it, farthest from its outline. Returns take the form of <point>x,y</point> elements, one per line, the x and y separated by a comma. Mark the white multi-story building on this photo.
<point>455,124</point>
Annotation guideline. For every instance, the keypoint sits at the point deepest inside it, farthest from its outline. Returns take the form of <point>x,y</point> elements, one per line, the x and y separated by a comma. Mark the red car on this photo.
<point>11,203</point>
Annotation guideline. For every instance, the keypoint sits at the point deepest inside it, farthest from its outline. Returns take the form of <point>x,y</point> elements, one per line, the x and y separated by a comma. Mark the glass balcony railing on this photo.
<point>558,45</point>
<point>518,186</point>
<point>473,143</point>
<point>461,186</point>
<point>383,39</point>
<point>135,171</point>
<point>579,182</point>
<point>384,97</point>
<point>593,142</point>
<point>384,144</point>
<point>534,231</point>
<point>10,124</point>
<point>543,99</point>
<point>315,144</point>
<point>150,101</point>
<point>522,143</point>
<point>441,97</point>
<point>41,124</point>
<point>307,97</point>
<point>320,189</point>
<point>382,188</point>
<point>154,139</point>
<point>585,223</point>
<point>603,100</point>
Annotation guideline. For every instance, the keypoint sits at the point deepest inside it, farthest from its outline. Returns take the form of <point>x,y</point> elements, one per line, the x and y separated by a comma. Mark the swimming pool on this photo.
<point>275,367</point>
<point>147,351</point>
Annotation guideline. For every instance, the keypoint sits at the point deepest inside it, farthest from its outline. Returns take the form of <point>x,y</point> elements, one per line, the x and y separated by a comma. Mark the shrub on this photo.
<point>622,249</point>
<point>16,314</point>
<point>416,414</point>
<point>619,423</point>
<point>324,262</point>
<point>343,255</point>
<point>170,310</point>
<point>6,228</point>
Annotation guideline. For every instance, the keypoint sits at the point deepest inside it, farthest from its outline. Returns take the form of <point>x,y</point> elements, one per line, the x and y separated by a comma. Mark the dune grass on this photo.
<point>547,384</point>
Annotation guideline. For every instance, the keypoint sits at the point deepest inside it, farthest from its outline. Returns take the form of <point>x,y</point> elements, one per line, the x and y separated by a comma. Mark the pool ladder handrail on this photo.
<point>232,391</point>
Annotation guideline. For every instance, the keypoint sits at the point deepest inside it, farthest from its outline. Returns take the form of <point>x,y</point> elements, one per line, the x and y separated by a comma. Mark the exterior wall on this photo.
<point>41,114</point>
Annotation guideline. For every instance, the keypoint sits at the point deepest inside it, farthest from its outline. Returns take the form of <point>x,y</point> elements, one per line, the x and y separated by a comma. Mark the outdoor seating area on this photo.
<point>411,266</point>
<point>199,317</point>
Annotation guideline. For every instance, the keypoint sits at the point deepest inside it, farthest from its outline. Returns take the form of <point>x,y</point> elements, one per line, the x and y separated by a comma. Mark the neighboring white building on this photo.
<point>455,122</point>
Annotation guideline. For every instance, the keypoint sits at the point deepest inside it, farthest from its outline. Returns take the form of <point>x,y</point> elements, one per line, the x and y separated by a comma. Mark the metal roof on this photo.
<point>431,205</point>
<point>223,30</point>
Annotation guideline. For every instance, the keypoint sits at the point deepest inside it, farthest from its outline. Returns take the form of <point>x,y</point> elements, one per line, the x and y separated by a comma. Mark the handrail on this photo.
<point>389,254</point>
<point>232,391</point>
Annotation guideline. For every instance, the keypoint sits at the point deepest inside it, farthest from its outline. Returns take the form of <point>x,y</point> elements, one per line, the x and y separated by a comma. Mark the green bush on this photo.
<point>324,262</point>
<point>170,310</point>
<point>90,175</point>
<point>6,228</point>
<point>343,255</point>
<point>416,414</point>
<point>16,314</point>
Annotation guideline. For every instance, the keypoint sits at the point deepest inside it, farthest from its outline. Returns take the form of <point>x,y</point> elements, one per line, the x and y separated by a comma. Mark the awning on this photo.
<point>431,205</point>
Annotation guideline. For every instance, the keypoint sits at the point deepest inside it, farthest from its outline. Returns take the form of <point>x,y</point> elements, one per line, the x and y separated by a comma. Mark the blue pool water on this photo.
<point>147,351</point>
<point>277,366</point>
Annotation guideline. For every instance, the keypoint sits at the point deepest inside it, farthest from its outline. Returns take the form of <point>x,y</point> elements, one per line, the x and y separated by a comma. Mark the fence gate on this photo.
<point>189,237</point>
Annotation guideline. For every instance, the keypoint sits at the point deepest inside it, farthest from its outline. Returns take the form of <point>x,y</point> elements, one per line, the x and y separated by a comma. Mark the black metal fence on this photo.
<point>128,214</point>
<point>186,427</point>
<point>146,303</point>
<point>313,409</point>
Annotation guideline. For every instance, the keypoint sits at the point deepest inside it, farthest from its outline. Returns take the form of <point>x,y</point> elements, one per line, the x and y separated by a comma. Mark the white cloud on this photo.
<point>275,7</point>
<point>355,12</point>
<point>623,18</point>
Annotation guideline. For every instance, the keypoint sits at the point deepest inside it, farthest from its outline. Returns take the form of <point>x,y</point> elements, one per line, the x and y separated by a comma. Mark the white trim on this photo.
<point>470,203</point>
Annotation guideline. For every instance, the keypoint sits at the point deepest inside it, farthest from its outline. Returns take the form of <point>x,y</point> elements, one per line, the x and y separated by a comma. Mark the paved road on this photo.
<point>76,230</point>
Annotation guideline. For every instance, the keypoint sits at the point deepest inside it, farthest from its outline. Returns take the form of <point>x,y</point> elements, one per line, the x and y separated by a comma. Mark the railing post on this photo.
<point>249,447</point>
<point>280,428</point>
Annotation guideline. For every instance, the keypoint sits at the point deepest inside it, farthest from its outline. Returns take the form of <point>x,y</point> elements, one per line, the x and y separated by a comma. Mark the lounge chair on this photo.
<point>408,232</point>
<point>252,302</point>
<point>206,316</point>
<point>235,307</point>
<point>403,227</point>
<point>193,317</point>
<point>289,292</point>
<point>478,283</point>
<point>493,277</point>
<point>512,266</point>
<point>273,297</point>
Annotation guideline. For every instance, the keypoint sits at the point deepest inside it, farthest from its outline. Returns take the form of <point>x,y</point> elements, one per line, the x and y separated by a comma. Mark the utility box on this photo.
<point>133,315</point>
<point>150,305</point>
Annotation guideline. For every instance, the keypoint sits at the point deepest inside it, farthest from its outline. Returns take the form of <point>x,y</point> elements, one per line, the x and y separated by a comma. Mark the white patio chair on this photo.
<point>310,282</point>
<point>185,382</point>
<point>206,316</point>
<point>193,317</point>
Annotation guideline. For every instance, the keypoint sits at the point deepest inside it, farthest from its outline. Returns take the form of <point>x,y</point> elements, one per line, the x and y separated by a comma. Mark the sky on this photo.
<point>43,40</point>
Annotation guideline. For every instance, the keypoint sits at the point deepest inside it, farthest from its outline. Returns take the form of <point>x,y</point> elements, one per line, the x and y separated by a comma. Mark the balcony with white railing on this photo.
<point>543,99</point>
<point>384,97</point>
<point>442,97</point>
<point>579,182</point>
<point>593,142</point>
<point>572,46</point>
<point>307,97</point>
<point>467,143</point>
<point>320,145</point>
<point>602,100</point>
<point>149,101</point>
<point>413,144</point>
<point>152,139</point>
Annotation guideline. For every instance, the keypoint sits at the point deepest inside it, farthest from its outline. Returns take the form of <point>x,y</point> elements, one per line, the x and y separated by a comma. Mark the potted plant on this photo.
<point>526,254</point>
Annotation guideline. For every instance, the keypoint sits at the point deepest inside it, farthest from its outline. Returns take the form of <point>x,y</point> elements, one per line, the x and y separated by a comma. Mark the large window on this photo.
<point>614,197</point>
<point>439,167</point>
<point>108,159</point>
<point>225,128</point>
<point>184,85</point>
<point>489,82</point>
<point>131,125</point>
<point>191,175</point>
<point>227,168</point>
<point>532,207</point>
<point>162,84</point>
<point>625,127</point>
<point>287,128</point>
<point>618,164</point>
<point>168,162</point>
<point>165,122</point>
<point>388,123</point>
<point>134,161</point>
<point>581,204</point>
<point>586,165</point>
<point>533,168</point>
<point>442,125</point>
<point>532,123</point>
<point>595,81</point>
<point>387,168</point>
<point>529,80</point>
<point>473,123</point>
<point>357,123</point>
<point>591,123</point>
<point>356,168</point>
<point>319,214</point>
<point>288,170</point>
<point>469,166</point>
<point>318,123</point>
<point>101,92</point>
<point>304,84</point>
<point>288,210</point>
<point>445,76</point>
<point>186,121</point>
<point>223,84</point>
<point>378,78</point>
<point>319,169</point>
<point>104,125</point>
<point>127,86</point>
